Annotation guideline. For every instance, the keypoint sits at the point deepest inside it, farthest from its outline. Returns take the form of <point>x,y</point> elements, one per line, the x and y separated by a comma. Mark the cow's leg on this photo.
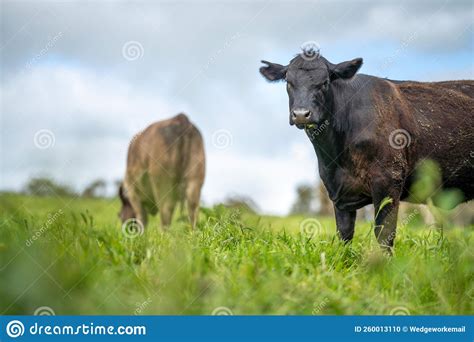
<point>164,194</point>
<point>193,194</point>
<point>139,210</point>
<point>166,211</point>
<point>386,202</point>
<point>345,221</point>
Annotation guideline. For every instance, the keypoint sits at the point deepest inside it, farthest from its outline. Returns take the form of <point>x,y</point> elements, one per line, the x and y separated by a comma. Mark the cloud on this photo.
<point>93,118</point>
<point>423,27</point>
<point>190,34</point>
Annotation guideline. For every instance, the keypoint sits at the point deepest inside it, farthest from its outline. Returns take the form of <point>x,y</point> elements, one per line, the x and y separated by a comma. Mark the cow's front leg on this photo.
<point>386,201</point>
<point>138,209</point>
<point>345,221</point>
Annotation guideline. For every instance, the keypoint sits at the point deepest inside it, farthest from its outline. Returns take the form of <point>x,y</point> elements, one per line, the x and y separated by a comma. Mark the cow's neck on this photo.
<point>328,138</point>
<point>326,143</point>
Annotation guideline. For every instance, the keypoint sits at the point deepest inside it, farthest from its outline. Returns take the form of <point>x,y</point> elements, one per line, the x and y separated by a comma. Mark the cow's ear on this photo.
<point>345,70</point>
<point>273,72</point>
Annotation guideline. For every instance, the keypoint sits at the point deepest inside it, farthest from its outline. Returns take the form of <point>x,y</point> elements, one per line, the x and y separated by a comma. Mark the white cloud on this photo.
<point>91,116</point>
<point>431,28</point>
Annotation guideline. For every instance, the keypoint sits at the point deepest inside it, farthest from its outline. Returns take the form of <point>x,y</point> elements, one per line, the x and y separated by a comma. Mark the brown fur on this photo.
<point>165,166</point>
<point>439,118</point>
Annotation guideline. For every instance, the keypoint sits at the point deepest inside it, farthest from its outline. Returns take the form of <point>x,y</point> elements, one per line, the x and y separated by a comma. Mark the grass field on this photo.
<point>72,257</point>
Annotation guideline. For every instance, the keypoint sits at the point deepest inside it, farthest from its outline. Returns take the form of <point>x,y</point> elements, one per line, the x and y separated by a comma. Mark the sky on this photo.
<point>78,80</point>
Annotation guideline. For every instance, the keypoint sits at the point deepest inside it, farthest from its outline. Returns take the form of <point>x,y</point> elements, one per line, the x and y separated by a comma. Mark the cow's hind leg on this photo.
<point>164,200</point>
<point>193,195</point>
<point>166,212</point>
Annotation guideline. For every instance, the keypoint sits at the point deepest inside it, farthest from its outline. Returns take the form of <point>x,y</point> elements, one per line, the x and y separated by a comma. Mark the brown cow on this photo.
<point>165,166</point>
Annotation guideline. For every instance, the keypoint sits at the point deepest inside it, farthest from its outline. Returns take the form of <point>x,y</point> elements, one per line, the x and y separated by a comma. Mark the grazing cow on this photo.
<point>165,166</point>
<point>369,134</point>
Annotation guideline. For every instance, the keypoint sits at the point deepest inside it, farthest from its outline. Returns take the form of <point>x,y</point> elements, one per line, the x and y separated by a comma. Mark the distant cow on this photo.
<point>370,133</point>
<point>165,166</point>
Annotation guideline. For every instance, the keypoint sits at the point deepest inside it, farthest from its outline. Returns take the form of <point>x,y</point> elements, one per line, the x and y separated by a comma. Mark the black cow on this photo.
<point>370,134</point>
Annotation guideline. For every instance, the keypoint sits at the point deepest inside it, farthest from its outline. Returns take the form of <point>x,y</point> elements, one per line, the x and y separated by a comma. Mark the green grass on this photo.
<point>82,263</point>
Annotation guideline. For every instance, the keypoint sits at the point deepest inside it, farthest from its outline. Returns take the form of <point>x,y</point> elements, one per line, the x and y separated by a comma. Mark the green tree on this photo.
<point>45,186</point>
<point>243,203</point>
<point>95,189</point>
<point>304,200</point>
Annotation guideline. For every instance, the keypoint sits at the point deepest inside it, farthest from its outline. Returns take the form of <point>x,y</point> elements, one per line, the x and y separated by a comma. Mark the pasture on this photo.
<point>72,257</point>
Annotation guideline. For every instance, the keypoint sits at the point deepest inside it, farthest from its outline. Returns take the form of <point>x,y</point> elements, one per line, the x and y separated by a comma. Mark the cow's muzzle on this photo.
<point>300,117</point>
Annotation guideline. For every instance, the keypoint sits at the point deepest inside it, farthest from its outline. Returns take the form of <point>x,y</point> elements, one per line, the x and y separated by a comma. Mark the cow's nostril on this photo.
<point>301,113</point>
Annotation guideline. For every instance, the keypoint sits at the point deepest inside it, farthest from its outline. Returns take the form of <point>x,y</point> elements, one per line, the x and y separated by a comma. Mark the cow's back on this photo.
<point>162,157</point>
<point>443,117</point>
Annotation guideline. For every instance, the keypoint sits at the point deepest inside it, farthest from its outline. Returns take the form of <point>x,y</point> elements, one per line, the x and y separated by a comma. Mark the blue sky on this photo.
<point>64,70</point>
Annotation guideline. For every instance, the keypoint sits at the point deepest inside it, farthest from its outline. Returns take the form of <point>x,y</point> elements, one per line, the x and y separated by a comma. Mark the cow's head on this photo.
<point>126,212</point>
<point>308,83</point>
